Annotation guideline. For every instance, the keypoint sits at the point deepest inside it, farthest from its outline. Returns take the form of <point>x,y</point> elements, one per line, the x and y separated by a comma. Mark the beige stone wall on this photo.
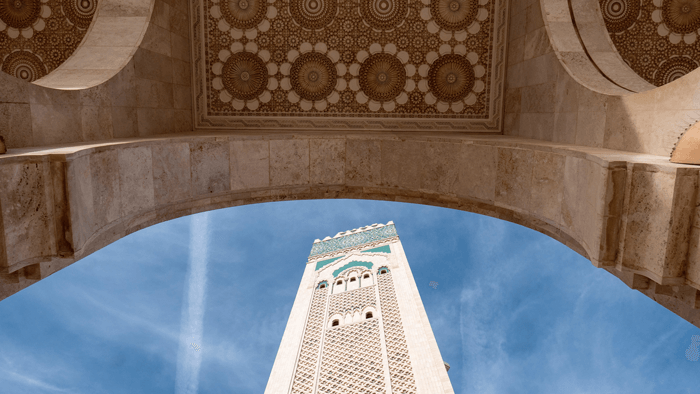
<point>629,213</point>
<point>544,102</point>
<point>150,95</point>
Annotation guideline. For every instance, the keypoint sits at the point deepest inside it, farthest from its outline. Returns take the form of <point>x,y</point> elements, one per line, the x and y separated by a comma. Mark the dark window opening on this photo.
<point>335,323</point>
<point>352,279</point>
<point>382,272</point>
<point>366,276</point>
<point>368,315</point>
<point>323,286</point>
<point>340,282</point>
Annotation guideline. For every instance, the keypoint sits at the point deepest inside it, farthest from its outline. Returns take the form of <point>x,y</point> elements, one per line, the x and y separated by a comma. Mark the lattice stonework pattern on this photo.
<point>258,62</point>
<point>402,380</point>
<point>305,372</point>
<point>657,38</point>
<point>352,300</point>
<point>36,36</point>
<point>352,360</point>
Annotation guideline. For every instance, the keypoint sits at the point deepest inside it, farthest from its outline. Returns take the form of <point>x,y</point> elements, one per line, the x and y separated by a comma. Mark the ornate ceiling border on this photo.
<point>352,122</point>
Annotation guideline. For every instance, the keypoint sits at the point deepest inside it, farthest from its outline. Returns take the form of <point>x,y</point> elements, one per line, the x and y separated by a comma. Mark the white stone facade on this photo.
<point>358,324</point>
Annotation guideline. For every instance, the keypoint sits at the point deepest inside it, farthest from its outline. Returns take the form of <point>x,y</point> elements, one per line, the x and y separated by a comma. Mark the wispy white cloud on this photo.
<point>192,326</point>
<point>33,382</point>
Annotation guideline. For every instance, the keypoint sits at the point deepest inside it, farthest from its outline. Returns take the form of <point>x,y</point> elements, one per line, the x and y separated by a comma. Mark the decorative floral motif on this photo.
<point>383,14</point>
<point>313,76</point>
<point>674,68</point>
<point>243,17</point>
<point>24,65</point>
<point>620,15</point>
<point>678,19</point>
<point>244,77</point>
<point>382,77</point>
<point>80,12</point>
<point>452,78</point>
<point>23,16</point>
<point>454,18</point>
<point>313,14</point>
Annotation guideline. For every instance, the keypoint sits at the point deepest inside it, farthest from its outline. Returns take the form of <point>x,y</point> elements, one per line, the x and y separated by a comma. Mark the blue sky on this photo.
<point>514,311</point>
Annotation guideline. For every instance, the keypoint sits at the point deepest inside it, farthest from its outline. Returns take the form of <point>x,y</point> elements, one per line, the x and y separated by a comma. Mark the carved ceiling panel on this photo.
<point>349,64</point>
<point>36,36</point>
<point>657,38</point>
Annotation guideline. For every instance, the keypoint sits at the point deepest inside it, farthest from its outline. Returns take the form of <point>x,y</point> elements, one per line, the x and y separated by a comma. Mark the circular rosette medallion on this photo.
<point>243,14</point>
<point>80,12</point>
<point>313,14</point>
<point>454,14</point>
<point>244,75</point>
<point>382,77</point>
<point>451,78</point>
<point>24,65</point>
<point>681,16</point>
<point>19,14</point>
<point>620,15</point>
<point>673,68</point>
<point>313,76</point>
<point>383,14</point>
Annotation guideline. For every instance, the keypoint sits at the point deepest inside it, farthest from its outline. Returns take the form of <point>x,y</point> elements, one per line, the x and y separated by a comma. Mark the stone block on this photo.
<point>250,164</point>
<point>289,162</point>
<point>210,167</point>
<point>363,162</point>
<point>327,161</point>
<point>136,180</point>
<point>171,173</point>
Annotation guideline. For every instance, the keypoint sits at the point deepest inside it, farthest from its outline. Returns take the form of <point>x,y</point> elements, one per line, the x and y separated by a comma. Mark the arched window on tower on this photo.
<point>353,283</point>
<point>339,286</point>
<point>366,279</point>
<point>368,315</point>
<point>336,322</point>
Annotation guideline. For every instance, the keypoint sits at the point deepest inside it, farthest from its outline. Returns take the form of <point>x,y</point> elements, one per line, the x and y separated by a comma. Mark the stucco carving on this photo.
<point>657,38</point>
<point>37,36</point>
<point>355,36</point>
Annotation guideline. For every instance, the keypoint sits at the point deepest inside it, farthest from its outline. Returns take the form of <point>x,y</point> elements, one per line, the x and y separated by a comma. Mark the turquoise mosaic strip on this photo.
<point>352,264</point>
<point>322,263</point>
<point>381,249</point>
<point>348,241</point>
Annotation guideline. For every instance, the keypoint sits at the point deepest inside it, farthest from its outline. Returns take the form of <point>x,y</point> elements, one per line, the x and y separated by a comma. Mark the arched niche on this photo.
<point>630,214</point>
<point>581,42</point>
<point>114,35</point>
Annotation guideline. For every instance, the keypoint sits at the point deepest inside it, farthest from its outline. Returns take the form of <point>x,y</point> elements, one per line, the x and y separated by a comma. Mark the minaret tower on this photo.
<point>358,324</point>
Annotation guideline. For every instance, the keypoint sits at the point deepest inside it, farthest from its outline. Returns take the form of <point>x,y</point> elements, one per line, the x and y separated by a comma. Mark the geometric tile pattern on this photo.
<point>305,374</point>
<point>351,240</point>
<point>36,36</point>
<point>658,39</point>
<point>352,360</point>
<point>360,64</point>
<point>400,370</point>
<point>350,301</point>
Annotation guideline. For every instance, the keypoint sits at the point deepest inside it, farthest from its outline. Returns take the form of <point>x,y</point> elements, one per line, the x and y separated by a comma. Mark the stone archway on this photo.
<point>633,215</point>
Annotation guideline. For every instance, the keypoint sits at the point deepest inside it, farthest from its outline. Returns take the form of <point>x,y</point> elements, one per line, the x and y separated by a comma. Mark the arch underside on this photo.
<point>630,214</point>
